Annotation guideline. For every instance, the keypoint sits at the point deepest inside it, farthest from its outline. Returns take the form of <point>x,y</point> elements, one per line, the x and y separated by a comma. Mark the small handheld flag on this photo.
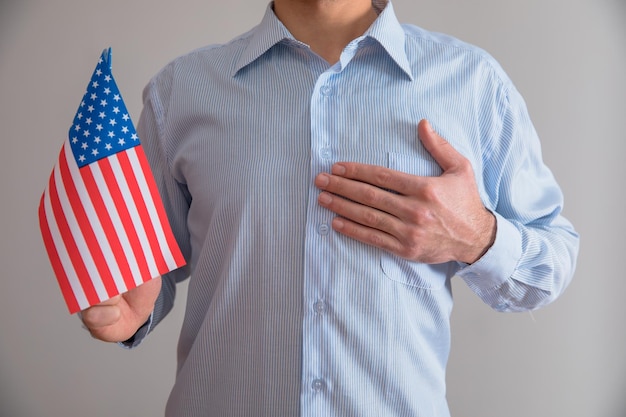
<point>101,217</point>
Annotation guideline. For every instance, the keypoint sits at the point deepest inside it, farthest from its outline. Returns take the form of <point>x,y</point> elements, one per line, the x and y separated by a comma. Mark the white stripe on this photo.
<point>136,219</point>
<point>152,211</point>
<point>94,221</point>
<point>117,221</point>
<point>64,257</point>
<point>81,244</point>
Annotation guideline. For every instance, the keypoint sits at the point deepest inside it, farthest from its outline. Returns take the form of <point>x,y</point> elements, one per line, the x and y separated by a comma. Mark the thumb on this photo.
<point>446,156</point>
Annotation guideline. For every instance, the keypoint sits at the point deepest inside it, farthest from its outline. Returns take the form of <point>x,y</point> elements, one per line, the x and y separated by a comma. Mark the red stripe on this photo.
<point>112,234</point>
<point>129,227</point>
<point>84,223</point>
<point>70,244</point>
<point>158,204</point>
<point>142,209</point>
<point>55,261</point>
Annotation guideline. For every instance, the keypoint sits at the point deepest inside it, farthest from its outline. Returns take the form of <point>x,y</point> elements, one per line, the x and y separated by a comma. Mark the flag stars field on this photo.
<point>113,112</point>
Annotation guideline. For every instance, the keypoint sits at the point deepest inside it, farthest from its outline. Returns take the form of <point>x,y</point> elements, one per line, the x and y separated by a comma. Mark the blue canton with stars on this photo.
<point>102,126</point>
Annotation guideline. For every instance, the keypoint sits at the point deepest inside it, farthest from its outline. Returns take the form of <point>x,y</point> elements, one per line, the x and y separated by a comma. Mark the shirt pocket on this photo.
<point>414,274</point>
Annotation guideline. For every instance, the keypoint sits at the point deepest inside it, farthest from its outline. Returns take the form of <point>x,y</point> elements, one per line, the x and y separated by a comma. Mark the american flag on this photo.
<point>101,217</point>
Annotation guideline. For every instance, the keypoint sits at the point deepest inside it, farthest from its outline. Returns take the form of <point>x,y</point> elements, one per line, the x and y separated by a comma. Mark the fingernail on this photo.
<point>338,224</point>
<point>338,169</point>
<point>324,198</point>
<point>429,126</point>
<point>322,180</point>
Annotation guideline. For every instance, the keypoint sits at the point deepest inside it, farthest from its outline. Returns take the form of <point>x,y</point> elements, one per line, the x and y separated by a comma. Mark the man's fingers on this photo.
<point>446,156</point>
<point>367,190</point>
<point>381,177</point>
<point>119,318</point>
<point>366,234</point>
<point>101,315</point>
<point>363,213</point>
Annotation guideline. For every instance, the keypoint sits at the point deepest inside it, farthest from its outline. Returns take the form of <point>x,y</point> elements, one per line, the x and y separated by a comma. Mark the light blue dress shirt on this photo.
<point>284,316</point>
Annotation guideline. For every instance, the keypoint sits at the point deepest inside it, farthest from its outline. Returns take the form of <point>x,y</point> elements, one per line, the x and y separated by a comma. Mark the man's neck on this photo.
<point>327,26</point>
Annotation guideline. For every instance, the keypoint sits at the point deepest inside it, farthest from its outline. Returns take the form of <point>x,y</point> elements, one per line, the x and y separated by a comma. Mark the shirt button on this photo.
<point>326,153</point>
<point>319,307</point>
<point>326,90</point>
<point>323,229</point>
<point>318,385</point>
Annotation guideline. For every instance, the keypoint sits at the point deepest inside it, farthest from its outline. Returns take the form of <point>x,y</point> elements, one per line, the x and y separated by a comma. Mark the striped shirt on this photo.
<point>284,316</point>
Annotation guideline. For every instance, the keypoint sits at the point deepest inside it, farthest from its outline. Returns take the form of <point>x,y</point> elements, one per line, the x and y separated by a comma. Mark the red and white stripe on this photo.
<point>104,227</point>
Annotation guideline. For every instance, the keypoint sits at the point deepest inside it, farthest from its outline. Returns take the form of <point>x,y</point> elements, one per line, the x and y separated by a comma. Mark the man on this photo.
<point>323,217</point>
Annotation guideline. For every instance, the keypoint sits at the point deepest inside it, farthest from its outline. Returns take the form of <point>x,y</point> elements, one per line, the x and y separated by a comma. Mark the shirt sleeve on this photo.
<point>174,194</point>
<point>533,257</point>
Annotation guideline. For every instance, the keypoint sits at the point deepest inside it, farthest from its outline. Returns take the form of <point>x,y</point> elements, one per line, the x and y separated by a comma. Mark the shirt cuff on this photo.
<point>499,262</point>
<point>139,335</point>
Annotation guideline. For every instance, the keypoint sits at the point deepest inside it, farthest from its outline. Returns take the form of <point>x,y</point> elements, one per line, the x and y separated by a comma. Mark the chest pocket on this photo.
<point>414,274</point>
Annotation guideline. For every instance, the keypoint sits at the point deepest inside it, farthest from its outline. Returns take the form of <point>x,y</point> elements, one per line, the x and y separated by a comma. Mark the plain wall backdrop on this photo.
<point>568,59</point>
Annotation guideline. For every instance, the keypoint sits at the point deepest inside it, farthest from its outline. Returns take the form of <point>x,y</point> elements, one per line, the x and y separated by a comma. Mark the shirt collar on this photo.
<point>267,34</point>
<point>386,30</point>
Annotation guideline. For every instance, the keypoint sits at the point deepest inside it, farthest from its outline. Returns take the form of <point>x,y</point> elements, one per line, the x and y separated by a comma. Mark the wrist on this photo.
<point>485,239</point>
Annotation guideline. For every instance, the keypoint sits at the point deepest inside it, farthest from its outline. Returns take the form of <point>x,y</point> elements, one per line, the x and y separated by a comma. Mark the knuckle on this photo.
<point>371,218</point>
<point>371,195</point>
<point>429,192</point>
<point>412,243</point>
<point>419,216</point>
<point>412,238</point>
<point>384,178</point>
<point>414,216</point>
<point>377,240</point>
<point>408,252</point>
<point>413,252</point>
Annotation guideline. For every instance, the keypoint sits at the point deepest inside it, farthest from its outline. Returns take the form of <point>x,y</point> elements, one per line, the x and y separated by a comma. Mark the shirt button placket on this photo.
<point>316,382</point>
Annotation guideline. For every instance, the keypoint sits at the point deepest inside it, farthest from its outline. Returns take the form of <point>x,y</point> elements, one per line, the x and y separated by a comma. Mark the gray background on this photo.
<point>567,57</point>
